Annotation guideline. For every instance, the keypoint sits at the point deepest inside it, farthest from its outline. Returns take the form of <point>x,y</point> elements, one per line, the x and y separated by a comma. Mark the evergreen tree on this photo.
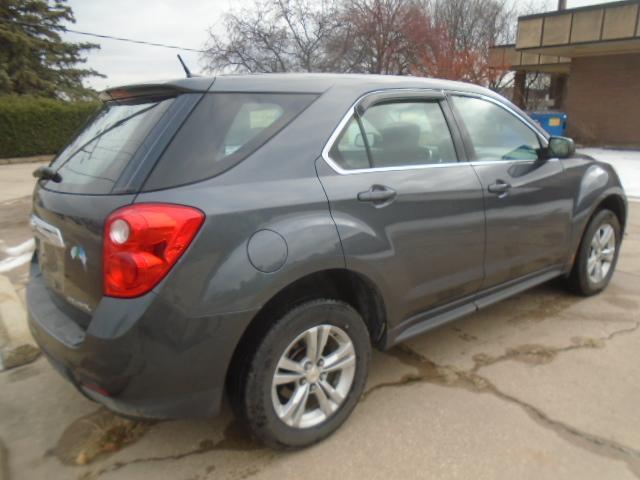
<point>34,60</point>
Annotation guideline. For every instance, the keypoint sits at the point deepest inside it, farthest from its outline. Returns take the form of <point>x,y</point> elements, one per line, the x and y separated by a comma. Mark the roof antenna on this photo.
<point>184,65</point>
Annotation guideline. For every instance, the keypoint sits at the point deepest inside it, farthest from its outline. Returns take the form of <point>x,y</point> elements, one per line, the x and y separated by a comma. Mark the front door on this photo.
<point>409,215</point>
<point>528,206</point>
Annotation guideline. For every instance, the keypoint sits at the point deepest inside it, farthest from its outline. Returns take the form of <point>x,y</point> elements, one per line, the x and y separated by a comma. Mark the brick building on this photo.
<point>593,56</point>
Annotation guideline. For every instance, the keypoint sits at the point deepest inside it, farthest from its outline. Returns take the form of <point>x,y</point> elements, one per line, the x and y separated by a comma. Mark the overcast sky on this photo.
<point>184,23</point>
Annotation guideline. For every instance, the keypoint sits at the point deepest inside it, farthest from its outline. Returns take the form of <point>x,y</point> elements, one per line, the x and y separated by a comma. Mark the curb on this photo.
<point>16,344</point>
<point>17,160</point>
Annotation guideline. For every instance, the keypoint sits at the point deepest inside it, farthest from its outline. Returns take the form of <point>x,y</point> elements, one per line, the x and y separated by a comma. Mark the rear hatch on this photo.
<point>101,170</point>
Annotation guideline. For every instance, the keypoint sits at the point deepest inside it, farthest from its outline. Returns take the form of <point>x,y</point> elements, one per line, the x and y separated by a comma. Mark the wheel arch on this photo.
<point>611,200</point>
<point>617,205</point>
<point>338,284</point>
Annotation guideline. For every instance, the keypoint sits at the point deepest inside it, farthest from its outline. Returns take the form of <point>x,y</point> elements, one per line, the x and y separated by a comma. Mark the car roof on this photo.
<point>350,86</point>
<point>306,83</point>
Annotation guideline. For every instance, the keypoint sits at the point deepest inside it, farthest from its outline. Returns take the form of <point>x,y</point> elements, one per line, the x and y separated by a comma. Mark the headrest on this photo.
<point>400,135</point>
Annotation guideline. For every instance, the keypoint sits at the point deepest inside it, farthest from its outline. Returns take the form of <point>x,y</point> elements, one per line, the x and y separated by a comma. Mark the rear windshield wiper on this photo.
<point>47,173</point>
<point>105,131</point>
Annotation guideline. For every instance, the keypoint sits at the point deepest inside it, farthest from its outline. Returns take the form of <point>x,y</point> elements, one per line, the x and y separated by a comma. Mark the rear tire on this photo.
<point>597,255</point>
<point>284,372</point>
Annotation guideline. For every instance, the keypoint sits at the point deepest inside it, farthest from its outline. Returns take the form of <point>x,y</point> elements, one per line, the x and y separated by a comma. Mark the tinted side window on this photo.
<point>349,150</point>
<point>495,133</point>
<point>223,130</point>
<point>252,118</point>
<point>397,134</point>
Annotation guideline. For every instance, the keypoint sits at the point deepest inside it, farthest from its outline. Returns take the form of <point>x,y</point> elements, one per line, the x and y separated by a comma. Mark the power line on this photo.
<point>99,35</point>
<point>130,40</point>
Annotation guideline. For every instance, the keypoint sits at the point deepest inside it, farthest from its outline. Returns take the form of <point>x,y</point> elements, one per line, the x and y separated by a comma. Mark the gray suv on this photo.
<point>256,235</point>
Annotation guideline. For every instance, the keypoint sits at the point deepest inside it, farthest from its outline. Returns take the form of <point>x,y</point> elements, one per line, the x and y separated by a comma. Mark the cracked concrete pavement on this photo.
<point>543,385</point>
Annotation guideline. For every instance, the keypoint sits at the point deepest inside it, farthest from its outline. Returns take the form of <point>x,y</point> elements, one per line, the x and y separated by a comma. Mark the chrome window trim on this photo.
<point>351,111</point>
<point>345,119</point>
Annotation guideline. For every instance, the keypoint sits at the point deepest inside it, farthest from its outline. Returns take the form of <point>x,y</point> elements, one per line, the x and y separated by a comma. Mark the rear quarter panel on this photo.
<point>275,189</point>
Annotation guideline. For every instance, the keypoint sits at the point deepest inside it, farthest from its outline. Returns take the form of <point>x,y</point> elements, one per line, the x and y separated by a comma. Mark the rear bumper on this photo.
<point>148,359</point>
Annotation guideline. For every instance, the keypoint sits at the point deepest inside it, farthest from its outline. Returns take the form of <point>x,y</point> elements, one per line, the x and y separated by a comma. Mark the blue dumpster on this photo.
<point>553,122</point>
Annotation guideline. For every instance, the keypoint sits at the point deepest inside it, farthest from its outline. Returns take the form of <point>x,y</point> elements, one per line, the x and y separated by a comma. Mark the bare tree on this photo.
<point>466,29</point>
<point>440,38</point>
<point>383,36</point>
<point>276,36</point>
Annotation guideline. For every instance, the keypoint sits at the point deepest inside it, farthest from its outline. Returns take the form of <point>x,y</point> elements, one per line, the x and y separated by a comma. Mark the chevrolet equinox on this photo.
<point>257,235</point>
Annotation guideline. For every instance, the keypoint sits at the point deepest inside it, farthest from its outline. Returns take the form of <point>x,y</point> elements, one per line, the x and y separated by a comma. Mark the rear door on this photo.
<point>98,171</point>
<point>409,214</point>
<point>528,206</point>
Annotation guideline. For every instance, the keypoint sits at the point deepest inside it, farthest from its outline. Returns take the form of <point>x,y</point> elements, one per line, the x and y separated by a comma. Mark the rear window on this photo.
<point>94,160</point>
<point>223,130</point>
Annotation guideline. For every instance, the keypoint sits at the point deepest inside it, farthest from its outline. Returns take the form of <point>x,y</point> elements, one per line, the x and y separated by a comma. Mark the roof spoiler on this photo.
<point>168,88</point>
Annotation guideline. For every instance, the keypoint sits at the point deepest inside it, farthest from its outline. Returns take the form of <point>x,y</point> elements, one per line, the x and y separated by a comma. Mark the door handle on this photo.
<point>377,194</point>
<point>500,187</point>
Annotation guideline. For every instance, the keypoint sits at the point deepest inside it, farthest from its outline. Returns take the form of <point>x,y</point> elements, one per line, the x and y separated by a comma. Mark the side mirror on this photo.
<point>561,147</point>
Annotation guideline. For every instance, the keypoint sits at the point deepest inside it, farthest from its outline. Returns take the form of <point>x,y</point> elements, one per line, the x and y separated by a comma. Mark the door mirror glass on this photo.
<point>561,147</point>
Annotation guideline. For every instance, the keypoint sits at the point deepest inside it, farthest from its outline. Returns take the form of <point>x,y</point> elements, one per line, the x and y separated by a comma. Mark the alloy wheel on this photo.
<point>313,376</point>
<point>601,253</point>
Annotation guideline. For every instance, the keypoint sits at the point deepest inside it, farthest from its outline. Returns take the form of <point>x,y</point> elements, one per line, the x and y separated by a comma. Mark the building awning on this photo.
<point>594,30</point>
<point>506,57</point>
<point>546,42</point>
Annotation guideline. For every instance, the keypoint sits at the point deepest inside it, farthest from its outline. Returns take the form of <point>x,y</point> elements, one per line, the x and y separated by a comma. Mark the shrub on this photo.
<point>39,126</point>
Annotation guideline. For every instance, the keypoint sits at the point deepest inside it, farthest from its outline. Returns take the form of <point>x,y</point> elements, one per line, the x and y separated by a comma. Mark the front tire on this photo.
<point>306,375</point>
<point>598,254</point>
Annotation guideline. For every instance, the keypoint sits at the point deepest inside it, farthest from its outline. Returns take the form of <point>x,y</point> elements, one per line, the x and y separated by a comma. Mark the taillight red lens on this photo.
<point>141,244</point>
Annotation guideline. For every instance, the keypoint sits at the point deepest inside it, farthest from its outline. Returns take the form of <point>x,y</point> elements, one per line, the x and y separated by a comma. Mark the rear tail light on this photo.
<point>142,242</point>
